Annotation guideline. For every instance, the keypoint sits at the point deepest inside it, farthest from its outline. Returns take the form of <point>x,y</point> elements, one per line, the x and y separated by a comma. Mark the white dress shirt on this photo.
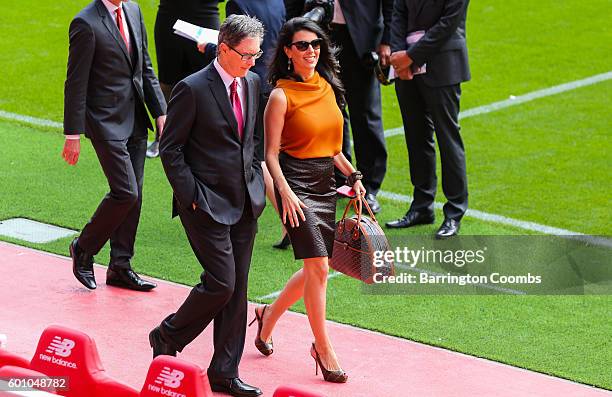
<point>112,10</point>
<point>338,15</point>
<point>227,81</point>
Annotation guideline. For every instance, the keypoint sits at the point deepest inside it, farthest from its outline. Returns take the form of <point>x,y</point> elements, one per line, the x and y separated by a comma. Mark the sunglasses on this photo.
<point>303,45</point>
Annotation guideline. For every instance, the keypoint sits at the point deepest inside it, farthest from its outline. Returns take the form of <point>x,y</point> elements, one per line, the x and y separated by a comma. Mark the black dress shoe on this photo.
<point>82,265</point>
<point>159,345</point>
<point>234,387</point>
<point>373,203</point>
<point>449,228</point>
<point>127,278</point>
<point>412,218</point>
<point>153,149</point>
<point>283,244</point>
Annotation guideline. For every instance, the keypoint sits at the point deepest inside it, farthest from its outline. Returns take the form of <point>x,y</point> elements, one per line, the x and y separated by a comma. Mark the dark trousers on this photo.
<point>426,110</point>
<point>364,112</point>
<point>118,214</point>
<point>225,254</point>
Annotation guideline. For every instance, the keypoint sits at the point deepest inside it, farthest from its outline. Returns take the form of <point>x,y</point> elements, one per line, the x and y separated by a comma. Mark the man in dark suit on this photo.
<point>108,84</point>
<point>177,57</point>
<point>209,154</point>
<point>360,27</point>
<point>430,56</point>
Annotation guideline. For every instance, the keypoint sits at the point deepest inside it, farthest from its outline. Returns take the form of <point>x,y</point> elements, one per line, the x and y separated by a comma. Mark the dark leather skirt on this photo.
<point>312,180</point>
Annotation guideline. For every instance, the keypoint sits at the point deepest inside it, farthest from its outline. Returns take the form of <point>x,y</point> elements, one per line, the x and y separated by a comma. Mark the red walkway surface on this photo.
<point>38,289</point>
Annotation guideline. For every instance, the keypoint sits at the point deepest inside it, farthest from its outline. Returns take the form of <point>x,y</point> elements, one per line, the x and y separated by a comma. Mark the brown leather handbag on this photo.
<point>355,242</point>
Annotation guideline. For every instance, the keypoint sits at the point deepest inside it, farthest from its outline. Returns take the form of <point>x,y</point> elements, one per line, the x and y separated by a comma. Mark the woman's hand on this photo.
<point>360,191</point>
<point>292,208</point>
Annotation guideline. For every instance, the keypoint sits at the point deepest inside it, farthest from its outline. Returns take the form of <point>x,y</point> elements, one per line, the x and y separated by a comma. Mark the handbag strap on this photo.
<point>364,201</point>
<point>357,204</point>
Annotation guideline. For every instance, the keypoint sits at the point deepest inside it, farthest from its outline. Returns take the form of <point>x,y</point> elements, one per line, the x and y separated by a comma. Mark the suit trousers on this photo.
<point>426,110</point>
<point>364,112</point>
<point>118,214</point>
<point>221,296</point>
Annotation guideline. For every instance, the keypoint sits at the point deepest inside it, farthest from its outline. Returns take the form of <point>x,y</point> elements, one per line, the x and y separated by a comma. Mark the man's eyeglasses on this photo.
<point>303,45</point>
<point>246,57</point>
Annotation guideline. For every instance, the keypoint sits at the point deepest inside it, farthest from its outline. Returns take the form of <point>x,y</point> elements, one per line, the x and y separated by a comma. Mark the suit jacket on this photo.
<point>272,14</point>
<point>368,21</point>
<point>443,48</point>
<point>104,82</point>
<point>202,154</point>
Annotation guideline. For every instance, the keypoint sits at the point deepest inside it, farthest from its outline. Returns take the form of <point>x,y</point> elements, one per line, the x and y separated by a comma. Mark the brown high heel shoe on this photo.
<point>337,376</point>
<point>265,348</point>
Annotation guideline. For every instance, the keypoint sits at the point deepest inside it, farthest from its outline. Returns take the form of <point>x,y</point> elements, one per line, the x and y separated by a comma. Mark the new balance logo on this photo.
<point>170,378</point>
<point>61,347</point>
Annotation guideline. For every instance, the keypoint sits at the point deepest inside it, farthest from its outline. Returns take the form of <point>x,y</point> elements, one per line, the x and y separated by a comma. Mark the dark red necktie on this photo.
<point>237,106</point>
<point>121,30</point>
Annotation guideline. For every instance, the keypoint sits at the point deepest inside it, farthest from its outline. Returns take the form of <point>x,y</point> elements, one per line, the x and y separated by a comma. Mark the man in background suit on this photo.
<point>429,36</point>
<point>209,154</point>
<point>108,84</point>
<point>358,28</point>
<point>177,57</point>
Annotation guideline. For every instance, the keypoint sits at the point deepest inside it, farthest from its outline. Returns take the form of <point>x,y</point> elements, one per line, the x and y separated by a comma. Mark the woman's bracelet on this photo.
<point>354,177</point>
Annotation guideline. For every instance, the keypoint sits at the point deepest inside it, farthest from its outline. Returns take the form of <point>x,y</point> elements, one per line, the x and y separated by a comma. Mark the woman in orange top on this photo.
<point>303,127</point>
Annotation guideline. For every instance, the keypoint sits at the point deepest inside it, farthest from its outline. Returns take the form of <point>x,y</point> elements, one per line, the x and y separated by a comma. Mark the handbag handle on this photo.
<point>358,209</point>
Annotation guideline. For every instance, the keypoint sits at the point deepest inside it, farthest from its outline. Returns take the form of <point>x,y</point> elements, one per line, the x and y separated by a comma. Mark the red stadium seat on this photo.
<point>292,391</point>
<point>171,376</point>
<point>24,374</point>
<point>63,351</point>
<point>8,358</point>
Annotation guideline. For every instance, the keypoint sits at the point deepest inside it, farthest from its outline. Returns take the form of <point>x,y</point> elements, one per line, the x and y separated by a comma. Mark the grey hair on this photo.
<point>235,28</point>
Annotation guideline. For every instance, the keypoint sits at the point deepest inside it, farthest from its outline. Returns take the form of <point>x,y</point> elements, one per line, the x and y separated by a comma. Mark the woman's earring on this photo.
<point>289,64</point>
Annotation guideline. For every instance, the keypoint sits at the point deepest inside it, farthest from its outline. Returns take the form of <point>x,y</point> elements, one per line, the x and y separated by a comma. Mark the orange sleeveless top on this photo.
<point>313,122</point>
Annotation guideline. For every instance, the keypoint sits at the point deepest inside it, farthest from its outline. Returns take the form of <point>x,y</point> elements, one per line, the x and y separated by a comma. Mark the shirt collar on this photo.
<point>112,9</point>
<point>226,77</point>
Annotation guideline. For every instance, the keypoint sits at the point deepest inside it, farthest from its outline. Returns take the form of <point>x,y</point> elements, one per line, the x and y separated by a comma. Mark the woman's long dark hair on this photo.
<point>327,66</point>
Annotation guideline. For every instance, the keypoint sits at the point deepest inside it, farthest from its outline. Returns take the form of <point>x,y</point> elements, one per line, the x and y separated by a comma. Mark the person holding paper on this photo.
<point>209,155</point>
<point>109,82</point>
<point>177,56</point>
<point>430,58</point>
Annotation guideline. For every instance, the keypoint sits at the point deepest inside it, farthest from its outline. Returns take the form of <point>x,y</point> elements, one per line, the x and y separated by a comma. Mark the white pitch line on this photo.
<point>275,294</point>
<point>468,113</point>
<point>598,78</point>
<point>30,120</point>
<point>504,220</point>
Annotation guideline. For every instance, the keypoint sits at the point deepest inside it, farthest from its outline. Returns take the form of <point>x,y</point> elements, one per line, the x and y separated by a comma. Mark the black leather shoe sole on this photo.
<point>446,234</point>
<point>133,287</point>
<point>91,284</point>
<point>375,207</point>
<point>283,244</point>
<point>402,224</point>
<point>236,393</point>
<point>156,343</point>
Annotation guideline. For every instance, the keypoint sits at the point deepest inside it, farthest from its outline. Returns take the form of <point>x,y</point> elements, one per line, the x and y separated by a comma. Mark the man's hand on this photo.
<point>202,47</point>
<point>160,122</point>
<point>384,54</point>
<point>400,60</point>
<point>405,74</point>
<point>402,63</point>
<point>72,149</point>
